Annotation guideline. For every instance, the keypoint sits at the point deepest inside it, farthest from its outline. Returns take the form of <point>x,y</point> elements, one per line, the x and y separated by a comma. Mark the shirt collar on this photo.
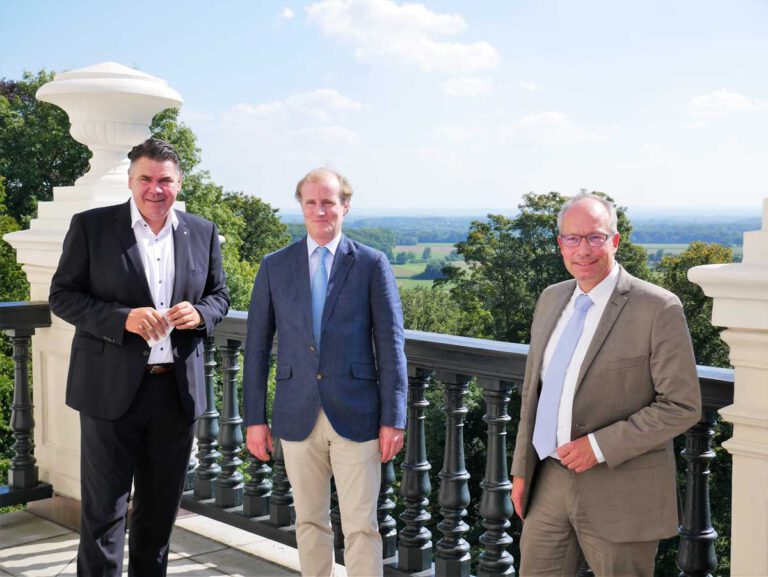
<point>602,292</point>
<point>332,246</point>
<point>137,218</point>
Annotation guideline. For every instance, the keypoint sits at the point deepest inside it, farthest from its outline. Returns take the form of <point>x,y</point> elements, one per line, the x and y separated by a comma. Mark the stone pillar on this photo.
<point>110,107</point>
<point>740,303</point>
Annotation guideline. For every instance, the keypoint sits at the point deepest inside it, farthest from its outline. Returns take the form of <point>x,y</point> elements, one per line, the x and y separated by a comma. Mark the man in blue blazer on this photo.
<point>128,274</point>
<point>339,407</point>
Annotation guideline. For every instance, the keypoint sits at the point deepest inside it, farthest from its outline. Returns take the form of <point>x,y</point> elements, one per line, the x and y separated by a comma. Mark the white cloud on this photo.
<point>466,86</point>
<point>405,33</point>
<point>529,86</point>
<point>287,14</point>
<point>721,103</point>
<point>319,106</point>
<point>552,128</point>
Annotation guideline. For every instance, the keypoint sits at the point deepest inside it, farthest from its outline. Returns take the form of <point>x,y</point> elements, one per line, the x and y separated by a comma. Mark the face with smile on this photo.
<point>589,265</point>
<point>323,208</point>
<point>154,185</point>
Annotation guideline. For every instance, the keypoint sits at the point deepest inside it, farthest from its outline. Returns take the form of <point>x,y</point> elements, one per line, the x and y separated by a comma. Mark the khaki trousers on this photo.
<point>556,533</point>
<point>356,469</point>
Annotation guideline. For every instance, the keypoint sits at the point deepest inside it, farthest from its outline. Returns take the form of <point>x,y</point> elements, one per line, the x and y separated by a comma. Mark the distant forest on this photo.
<point>409,230</point>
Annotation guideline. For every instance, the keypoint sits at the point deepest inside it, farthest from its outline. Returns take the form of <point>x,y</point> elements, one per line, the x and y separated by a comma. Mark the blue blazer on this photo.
<point>358,389</point>
<point>100,278</point>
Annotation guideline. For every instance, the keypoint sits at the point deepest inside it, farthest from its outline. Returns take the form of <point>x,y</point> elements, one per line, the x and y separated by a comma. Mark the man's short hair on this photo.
<point>316,174</point>
<point>154,149</point>
<point>613,219</point>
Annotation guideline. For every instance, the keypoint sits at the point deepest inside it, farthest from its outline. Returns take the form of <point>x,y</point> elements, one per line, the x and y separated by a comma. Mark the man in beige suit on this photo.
<point>610,381</point>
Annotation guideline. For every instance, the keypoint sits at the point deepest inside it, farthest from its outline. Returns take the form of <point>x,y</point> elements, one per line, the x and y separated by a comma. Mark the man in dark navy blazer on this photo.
<point>339,407</point>
<point>142,284</point>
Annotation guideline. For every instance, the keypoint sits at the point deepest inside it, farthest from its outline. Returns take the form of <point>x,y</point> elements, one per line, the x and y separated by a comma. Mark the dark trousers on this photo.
<point>149,446</point>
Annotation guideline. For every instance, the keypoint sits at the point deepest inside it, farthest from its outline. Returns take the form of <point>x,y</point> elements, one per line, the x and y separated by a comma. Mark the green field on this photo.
<point>653,248</point>
<point>439,249</point>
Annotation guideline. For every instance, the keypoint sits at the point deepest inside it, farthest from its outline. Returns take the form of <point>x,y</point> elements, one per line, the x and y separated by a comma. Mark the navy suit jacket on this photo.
<point>358,377</point>
<point>100,278</point>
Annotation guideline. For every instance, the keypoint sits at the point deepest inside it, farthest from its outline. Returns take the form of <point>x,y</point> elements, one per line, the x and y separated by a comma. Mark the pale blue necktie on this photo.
<point>545,430</point>
<point>319,290</point>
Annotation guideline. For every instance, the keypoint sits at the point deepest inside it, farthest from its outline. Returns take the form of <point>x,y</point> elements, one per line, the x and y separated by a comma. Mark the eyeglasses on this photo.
<point>596,239</point>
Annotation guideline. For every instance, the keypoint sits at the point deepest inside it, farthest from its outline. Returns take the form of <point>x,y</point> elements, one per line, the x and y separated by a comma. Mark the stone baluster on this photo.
<point>207,430</point>
<point>281,511</point>
<point>385,505</point>
<point>258,489</point>
<point>452,551</point>
<point>414,550</point>
<point>22,473</point>
<point>696,551</point>
<point>495,503</point>
<point>228,486</point>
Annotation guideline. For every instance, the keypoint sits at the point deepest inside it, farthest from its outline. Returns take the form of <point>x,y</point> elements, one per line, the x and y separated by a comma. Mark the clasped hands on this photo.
<point>151,324</point>
<point>259,442</point>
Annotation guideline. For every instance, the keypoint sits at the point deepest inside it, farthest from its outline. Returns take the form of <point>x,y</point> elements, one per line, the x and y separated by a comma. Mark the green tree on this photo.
<point>430,309</point>
<point>673,270</point>
<point>510,261</point>
<point>262,231</point>
<point>36,149</point>
<point>426,254</point>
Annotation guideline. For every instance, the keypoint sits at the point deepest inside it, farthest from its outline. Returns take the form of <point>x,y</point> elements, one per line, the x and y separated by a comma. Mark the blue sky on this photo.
<point>455,105</point>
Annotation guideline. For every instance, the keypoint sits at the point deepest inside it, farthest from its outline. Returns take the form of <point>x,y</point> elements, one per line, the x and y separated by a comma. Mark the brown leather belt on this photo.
<point>159,369</point>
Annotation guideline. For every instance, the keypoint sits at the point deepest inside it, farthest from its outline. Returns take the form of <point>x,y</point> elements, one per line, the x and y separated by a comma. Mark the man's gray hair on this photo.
<point>613,219</point>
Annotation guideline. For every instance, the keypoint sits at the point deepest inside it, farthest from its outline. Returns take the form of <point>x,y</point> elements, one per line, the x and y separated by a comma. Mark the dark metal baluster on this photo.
<point>414,550</point>
<point>281,511</point>
<point>338,532</point>
<point>228,486</point>
<point>452,551</point>
<point>207,430</point>
<point>387,525</point>
<point>23,471</point>
<point>696,553</point>
<point>495,503</point>
<point>258,489</point>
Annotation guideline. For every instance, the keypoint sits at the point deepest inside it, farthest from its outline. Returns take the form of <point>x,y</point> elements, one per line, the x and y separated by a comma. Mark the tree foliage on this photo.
<point>707,344</point>
<point>36,149</point>
<point>510,261</point>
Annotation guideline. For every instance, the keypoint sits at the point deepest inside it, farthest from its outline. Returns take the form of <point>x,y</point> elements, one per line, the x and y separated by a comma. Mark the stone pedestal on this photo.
<point>740,303</point>
<point>110,107</point>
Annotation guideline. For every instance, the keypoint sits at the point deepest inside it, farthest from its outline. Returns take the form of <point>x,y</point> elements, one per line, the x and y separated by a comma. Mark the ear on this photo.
<point>346,208</point>
<point>615,240</point>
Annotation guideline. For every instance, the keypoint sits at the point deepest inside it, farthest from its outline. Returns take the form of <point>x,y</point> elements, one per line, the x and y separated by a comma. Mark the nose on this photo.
<point>584,247</point>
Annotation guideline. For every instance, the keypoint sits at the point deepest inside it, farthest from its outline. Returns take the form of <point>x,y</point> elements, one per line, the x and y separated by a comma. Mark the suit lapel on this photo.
<point>342,262</point>
<point>181,258</point>
<point>127,238</point>
<point>299,260</point>
<point>549,322</point>
<point>610,314</point>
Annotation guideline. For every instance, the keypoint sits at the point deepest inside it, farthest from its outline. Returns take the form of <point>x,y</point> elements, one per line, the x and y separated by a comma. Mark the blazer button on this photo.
<point>319,376</point>
<point>312,348</point>
<point>146,353</point>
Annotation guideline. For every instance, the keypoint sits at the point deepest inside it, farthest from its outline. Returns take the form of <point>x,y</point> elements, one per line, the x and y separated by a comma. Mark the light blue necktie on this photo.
<point>545,430</point>
<point>319,290</point>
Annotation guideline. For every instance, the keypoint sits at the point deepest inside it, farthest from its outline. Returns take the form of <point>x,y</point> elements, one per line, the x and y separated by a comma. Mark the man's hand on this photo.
<point>147,323</point>
<point>184,316</point>
<point>259,440</point>
<point>577,455</point>
<point>390,442</point>
<point>518,486</point>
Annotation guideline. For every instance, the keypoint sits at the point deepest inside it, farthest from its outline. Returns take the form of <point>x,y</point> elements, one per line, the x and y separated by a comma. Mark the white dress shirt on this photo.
<point>314,258</point>
<point>600,296</point>
<point>157,257</point>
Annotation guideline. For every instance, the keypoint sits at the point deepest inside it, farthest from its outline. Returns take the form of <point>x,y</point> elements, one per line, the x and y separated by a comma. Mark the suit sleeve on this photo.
<point>258,348</point>
<point>389,340</point>
<point>677,400</point>
<point>523,441</point>
<point>71,297</point>
<point>214,304</point>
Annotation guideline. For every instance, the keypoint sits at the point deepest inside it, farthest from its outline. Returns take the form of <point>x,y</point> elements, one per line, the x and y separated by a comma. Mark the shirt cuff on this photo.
<point>596,449</point>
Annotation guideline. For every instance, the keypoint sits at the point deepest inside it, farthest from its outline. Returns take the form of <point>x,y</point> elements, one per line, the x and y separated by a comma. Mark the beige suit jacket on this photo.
<point>637,390</point>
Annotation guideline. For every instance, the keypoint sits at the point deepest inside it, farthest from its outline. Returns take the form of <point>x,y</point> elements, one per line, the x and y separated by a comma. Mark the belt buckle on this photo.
<point>159,369</point>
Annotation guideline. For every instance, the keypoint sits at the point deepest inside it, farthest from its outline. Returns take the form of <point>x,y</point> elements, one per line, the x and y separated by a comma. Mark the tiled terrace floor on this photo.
<point>31,546</point>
